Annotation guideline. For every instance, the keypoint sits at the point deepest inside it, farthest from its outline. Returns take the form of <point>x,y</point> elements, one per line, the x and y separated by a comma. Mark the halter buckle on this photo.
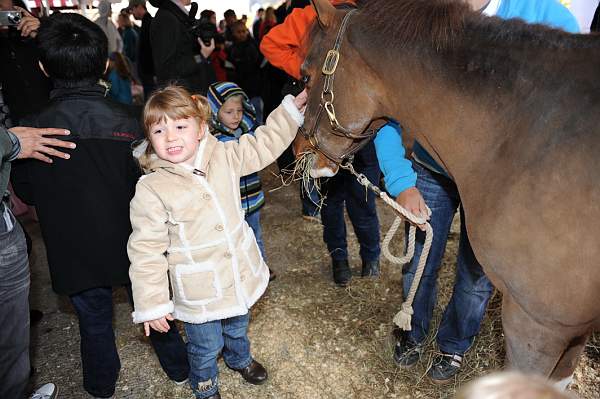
<point>331,62</point>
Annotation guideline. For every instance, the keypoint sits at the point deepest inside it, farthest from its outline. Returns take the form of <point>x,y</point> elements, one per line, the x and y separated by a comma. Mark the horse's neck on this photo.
<point>480,102</point>
<point>453,128</point>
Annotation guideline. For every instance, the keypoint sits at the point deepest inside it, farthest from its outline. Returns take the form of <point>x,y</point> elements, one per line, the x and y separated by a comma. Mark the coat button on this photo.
<point>219,227</point>
<point>228,255</point>
<point>206,196</point>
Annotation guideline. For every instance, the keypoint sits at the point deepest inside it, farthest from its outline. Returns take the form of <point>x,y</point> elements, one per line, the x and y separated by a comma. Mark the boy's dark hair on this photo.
<point>206,14</point>
<point>72,49</point>
<point>229,13</point>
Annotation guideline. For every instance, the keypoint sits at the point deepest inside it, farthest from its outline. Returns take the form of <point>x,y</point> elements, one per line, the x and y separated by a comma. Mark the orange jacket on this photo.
<point>282,45</point>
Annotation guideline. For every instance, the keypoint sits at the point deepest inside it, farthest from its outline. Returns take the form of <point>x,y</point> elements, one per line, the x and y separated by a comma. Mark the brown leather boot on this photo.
<point>255,373</point>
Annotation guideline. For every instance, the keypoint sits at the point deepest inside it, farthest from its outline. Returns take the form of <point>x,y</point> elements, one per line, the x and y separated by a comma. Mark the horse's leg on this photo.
<point>563,372</point>
<point>530,346</point>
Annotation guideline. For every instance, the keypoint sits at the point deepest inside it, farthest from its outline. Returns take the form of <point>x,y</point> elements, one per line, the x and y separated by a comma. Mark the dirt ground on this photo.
<point>317,340</point>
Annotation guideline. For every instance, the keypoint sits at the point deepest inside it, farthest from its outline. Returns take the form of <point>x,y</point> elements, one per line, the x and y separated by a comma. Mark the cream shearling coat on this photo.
<point>189,228</point>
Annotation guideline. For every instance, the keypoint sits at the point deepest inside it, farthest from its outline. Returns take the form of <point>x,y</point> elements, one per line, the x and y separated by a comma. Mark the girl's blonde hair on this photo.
<point>173,102</point>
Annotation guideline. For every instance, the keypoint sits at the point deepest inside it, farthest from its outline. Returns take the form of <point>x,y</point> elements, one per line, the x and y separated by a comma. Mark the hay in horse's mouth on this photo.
<point>300,171</point>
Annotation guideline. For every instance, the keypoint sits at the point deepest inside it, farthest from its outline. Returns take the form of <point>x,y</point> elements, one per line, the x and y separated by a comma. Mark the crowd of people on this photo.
<point>205,106</point>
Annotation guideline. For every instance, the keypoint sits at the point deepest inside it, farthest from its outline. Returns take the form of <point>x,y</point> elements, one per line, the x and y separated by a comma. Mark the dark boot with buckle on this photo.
<point>407,352</point>
<point>370,268</point>
<point>341,272</point>
<point>255,373</point>
<point>444,368</point>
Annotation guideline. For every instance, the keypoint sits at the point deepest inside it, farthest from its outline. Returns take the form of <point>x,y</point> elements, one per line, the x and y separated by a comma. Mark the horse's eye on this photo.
<point>305,79</point>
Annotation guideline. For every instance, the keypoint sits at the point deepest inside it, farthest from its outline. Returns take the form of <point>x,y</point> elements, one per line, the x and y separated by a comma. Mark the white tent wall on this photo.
<point>248,7</point>
<point>583,10</point>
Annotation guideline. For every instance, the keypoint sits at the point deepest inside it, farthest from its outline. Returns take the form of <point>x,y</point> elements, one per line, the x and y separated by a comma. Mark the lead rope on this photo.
<point>403,318</point>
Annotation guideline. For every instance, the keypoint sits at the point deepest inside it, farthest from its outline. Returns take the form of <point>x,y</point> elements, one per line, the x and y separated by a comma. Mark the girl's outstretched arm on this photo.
<point>255,152</point>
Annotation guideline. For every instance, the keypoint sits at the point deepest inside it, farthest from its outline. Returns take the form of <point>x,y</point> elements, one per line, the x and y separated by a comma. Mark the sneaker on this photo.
<point>182,382</point>
<point>407,352</point>
<point>46,391</point>
<point>444,368</point>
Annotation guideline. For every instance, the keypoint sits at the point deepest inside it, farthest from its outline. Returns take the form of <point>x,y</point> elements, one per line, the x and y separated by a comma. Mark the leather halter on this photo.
<point>326,106</point>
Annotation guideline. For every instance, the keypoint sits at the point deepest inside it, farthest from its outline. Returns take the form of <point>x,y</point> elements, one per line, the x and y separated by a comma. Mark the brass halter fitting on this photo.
<point>326,104</point>
<point>331,62</point>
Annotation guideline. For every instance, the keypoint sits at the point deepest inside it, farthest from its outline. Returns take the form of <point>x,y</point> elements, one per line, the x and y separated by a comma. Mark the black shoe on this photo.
<point>272,275</point>
<point>215,396</point>
<point>341,272</point>
<point>370,268</point>
<point>407,352</point>
<point>255,373</point>
<point>444,368</point>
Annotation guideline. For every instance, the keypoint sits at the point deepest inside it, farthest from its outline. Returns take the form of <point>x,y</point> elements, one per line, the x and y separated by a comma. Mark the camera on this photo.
<point>204,29</point>
<point>201,28</point>
<point>10,18</point>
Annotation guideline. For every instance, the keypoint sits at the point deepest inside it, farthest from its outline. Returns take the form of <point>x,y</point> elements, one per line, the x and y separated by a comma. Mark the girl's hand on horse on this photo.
<point>300,100</point>
<point>160,325</point>
<point>412,200</point>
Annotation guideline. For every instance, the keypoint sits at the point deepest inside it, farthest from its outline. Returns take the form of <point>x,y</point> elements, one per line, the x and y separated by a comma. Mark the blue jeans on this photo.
<point>99,357</point>
<point>462,318</point>
<point>14,313</point>
<point>253,220</point>
<point>310,199</point>
<point>206,340</point>
<point>344,189</point>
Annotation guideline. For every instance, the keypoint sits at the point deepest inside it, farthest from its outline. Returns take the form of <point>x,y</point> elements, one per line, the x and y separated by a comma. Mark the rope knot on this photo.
<point>404,317</point>
<point>407,308</point>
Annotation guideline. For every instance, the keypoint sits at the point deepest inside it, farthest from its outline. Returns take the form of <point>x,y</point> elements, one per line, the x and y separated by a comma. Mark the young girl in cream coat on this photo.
<point>189,229</point>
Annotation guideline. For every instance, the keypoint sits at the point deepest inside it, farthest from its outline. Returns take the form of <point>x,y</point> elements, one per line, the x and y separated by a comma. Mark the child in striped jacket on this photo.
<point>232,116</point>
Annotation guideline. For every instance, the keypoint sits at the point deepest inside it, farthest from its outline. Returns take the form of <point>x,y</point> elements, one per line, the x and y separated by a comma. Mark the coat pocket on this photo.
<point>197,283</point>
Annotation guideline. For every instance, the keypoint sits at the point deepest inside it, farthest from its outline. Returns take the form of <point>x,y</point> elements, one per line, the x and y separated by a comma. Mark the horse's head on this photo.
<point>342,111</point>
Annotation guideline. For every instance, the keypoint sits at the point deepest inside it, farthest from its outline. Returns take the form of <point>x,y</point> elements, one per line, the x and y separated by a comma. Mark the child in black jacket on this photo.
<point>83,203</point>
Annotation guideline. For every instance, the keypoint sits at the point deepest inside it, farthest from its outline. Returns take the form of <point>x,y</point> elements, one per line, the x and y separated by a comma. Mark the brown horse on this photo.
<point>512,112</point>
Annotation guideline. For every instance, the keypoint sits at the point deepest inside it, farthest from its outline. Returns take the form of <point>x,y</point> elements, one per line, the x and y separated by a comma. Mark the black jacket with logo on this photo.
<point>83,202</point>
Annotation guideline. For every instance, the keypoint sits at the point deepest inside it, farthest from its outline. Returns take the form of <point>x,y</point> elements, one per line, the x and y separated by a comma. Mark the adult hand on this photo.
<point>300,100</point>
<point>35,144</point>
<point>205,50</point>
<point>412,200</point>
<point>160,325</point>
<point>29,24</point>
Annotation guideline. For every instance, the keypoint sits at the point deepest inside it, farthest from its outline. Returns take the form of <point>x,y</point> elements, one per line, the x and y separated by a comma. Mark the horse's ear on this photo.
<point>325,12</point>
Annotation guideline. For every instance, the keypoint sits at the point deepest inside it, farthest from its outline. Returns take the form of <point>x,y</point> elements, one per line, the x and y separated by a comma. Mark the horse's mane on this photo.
<point>444,24</point>
<point>402,22</point>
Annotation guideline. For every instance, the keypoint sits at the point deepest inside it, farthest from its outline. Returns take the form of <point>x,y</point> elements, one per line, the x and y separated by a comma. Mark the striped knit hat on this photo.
<point>218,93</point>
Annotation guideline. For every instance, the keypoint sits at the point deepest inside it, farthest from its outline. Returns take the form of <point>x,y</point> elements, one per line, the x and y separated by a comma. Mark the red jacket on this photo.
<point>217,60</point>
<point>282,46</point>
